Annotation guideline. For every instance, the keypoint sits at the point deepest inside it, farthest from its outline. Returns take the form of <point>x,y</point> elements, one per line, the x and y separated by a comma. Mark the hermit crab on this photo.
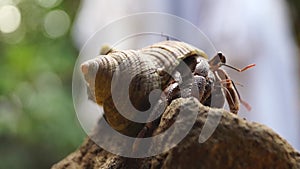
<point>158,67</point>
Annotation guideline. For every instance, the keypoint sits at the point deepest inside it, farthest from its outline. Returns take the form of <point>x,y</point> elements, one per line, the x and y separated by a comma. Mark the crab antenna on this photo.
<point>239,70</point>
<point>244,103</point>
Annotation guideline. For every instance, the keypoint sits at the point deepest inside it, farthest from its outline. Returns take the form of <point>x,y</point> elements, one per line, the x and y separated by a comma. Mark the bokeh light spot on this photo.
<point>6,2</point>
<point>56,23</point>
<point>10,18</point>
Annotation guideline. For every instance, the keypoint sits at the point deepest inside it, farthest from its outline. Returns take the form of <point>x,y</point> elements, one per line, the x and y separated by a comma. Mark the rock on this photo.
<point>236,143</point>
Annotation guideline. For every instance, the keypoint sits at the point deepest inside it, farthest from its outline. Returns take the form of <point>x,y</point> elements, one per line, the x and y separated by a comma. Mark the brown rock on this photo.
<point>236,143</point>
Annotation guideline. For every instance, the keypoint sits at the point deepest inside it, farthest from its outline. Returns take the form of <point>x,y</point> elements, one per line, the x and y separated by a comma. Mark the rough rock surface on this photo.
<point>236,143</point>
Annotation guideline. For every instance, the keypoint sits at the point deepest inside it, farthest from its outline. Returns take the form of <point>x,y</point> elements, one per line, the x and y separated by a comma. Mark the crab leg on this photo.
<point>231,94</point>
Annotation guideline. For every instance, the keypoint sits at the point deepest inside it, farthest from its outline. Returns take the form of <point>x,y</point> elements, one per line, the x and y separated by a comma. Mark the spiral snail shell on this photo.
<point>148,67</point>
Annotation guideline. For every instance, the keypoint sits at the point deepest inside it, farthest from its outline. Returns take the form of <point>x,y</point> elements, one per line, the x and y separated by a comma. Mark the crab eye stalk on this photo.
<point>222,57</point>
<point>217,61</point>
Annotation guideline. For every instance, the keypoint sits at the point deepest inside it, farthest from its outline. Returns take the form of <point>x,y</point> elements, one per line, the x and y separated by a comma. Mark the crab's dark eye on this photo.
<point>222,57</point>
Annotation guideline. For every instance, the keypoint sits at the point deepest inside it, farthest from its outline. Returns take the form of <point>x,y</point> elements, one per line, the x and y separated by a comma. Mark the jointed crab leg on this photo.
<point>231,94</point>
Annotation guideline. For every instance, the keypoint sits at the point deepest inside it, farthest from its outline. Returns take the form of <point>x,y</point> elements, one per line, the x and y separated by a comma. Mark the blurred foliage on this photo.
<point>295,14</point>
<point>38,124</point>
<point>294,6</point>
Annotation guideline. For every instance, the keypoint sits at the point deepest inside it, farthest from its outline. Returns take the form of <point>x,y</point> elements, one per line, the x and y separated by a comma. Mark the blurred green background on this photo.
<point>38,124</point>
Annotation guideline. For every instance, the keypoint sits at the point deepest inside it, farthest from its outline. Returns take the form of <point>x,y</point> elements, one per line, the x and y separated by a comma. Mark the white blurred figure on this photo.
<point>248,31</point>
<point>259,31</point>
